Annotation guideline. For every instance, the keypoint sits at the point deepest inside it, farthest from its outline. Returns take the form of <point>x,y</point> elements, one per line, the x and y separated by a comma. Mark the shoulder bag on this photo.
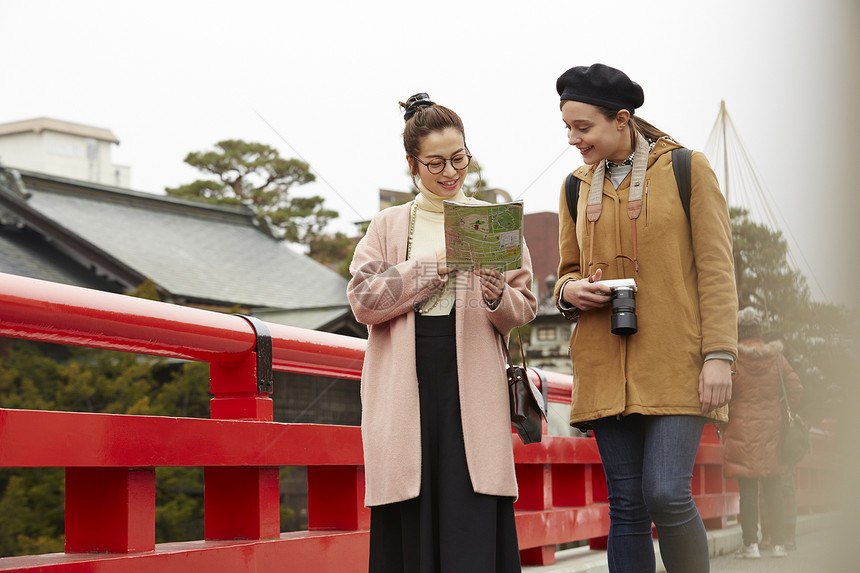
<point>795,433</point>
<point>528,404</point>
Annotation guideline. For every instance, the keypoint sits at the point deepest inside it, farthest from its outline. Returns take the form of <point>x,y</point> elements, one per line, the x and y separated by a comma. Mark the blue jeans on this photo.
<point>648,461</point>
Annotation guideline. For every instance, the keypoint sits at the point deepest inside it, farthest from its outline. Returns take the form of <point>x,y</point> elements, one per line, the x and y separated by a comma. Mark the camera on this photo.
<point>623,296</point>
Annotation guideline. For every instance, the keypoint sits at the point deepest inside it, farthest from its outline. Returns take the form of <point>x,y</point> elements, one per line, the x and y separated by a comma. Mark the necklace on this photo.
<point>420,307</point>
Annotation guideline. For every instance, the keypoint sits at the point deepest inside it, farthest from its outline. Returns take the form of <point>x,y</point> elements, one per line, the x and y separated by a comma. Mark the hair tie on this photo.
<point>416,102</point>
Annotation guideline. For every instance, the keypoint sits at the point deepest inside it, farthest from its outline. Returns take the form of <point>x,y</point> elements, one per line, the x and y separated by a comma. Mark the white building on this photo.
<point>63,149</point>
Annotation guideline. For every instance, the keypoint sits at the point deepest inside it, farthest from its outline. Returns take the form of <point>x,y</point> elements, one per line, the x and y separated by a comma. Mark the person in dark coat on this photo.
<point>789,492</point>
<point>753,434</point>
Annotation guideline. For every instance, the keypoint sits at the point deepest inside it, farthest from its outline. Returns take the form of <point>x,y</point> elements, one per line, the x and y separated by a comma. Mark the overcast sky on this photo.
<point>321,81</point>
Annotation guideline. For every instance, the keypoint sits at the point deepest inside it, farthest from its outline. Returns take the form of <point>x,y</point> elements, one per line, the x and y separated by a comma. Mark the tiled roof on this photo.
<point>25,254</point>
<point>192,250</point>
<point>313,319</point>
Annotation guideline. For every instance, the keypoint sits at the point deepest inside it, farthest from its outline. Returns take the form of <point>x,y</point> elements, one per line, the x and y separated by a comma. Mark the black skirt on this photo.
<point>448,528</point>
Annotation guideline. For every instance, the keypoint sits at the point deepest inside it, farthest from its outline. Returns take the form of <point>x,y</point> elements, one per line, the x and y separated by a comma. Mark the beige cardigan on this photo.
<point>382,293</point>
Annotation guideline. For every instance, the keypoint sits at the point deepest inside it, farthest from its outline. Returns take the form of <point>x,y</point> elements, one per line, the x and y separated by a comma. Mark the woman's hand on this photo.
<point>585,294</point>
<point>715,384</point>
<point>492,285</point>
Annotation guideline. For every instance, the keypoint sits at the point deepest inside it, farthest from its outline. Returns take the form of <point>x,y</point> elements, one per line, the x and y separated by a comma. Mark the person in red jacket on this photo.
<point>752,436</point>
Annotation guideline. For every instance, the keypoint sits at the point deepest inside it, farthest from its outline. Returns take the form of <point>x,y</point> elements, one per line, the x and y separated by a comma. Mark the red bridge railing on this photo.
<point>110,460</point>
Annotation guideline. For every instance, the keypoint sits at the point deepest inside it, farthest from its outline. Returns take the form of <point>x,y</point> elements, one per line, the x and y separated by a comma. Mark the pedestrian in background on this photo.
<point>789,491</point>
<point>646,394</point>
<point>436,423</point>
<point>753,434</point>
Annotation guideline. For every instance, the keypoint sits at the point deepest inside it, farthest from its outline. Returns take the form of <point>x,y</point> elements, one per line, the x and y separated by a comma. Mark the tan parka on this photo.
<point>686,302</point>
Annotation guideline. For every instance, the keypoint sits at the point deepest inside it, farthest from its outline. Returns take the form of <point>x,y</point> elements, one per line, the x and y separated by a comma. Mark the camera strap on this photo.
<point>634,200</point>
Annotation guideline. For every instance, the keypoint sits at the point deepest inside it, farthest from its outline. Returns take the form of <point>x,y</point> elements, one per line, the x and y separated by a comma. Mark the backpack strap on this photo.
<point>571,192</point>
<point>682,166</point>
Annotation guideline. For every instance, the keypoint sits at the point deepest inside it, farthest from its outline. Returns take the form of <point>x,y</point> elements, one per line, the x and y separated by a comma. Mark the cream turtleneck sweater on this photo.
<point>428,237</point>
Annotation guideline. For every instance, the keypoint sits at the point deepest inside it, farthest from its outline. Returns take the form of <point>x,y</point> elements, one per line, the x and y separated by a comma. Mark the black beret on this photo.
<point>600,85</point>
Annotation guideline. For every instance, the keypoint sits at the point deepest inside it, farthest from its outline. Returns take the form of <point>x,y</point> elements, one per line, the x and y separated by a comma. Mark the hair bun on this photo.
<point>414,103</point>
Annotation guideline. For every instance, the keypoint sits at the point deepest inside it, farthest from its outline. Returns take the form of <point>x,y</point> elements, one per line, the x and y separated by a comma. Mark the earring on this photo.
<point>479,184</point>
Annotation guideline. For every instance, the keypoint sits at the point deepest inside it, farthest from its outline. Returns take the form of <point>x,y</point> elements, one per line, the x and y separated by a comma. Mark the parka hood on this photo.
<point>757,356</point>
<point>757,348</point>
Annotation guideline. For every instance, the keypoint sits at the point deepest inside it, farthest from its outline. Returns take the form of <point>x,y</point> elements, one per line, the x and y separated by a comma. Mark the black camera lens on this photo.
<point>623,319</point>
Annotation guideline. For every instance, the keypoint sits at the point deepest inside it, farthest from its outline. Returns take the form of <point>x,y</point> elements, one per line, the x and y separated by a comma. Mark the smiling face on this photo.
<point>440,145</point>
<point>594,135</point>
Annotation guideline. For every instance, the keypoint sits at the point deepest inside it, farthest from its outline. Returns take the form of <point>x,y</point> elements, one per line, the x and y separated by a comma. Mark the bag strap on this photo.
<point>782,385</point>
<point>544,386</point>
<point>544,389</point>
<point>571,192</point>
<point>505,347</point>
<point>682,166</point>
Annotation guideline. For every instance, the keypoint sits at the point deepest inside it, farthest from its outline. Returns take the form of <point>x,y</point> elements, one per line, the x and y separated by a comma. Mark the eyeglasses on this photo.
<point>436,166</point>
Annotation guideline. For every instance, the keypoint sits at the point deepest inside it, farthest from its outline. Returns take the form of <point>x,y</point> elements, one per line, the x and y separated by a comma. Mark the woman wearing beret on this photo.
<point>435,425</point>
<point>648,394</point>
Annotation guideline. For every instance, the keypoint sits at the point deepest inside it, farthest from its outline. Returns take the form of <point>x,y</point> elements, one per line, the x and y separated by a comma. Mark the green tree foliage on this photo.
<point>31,511</point>
<point>31,499</point>
<point>47,377</point>
<point>178,504</point>
<point>765,279</point>
<point>254,174</point>
<point>817,336</point>
<point>332,250</point>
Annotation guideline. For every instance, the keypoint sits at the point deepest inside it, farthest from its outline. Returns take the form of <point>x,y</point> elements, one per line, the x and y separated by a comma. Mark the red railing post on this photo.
<point>336,498</point>
<point>535,485</point>
<point>235,392</point>
<point>110,510</point>
<point>240,502</point>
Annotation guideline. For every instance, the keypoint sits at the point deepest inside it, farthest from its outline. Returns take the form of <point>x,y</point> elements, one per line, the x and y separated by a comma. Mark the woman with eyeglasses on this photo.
<point>436,428</point>
<point>645,388</point>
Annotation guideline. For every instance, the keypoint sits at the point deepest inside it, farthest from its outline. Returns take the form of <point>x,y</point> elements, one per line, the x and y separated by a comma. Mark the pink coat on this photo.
<point>382,293</point>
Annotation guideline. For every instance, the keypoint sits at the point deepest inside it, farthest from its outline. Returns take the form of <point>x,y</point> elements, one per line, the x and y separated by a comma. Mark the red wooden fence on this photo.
<point>110,460</point>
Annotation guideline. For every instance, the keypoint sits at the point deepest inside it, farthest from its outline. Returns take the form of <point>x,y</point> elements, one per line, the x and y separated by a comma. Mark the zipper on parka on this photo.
<point>647,181</point>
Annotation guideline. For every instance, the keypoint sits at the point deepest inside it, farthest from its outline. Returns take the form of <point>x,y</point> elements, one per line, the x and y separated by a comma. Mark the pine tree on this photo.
<point>816,335</point>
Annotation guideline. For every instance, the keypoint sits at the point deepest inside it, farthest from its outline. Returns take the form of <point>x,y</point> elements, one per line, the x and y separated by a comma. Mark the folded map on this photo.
<point>484,235</point>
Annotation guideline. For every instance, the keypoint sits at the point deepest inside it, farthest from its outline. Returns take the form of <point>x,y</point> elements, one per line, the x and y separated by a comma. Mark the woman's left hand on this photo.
<point>715,384</point>
<point>492,283</point>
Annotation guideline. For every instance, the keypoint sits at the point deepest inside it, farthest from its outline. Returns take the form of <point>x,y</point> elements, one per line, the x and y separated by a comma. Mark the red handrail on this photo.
<point>110,459</point>
<point>52,312</point>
